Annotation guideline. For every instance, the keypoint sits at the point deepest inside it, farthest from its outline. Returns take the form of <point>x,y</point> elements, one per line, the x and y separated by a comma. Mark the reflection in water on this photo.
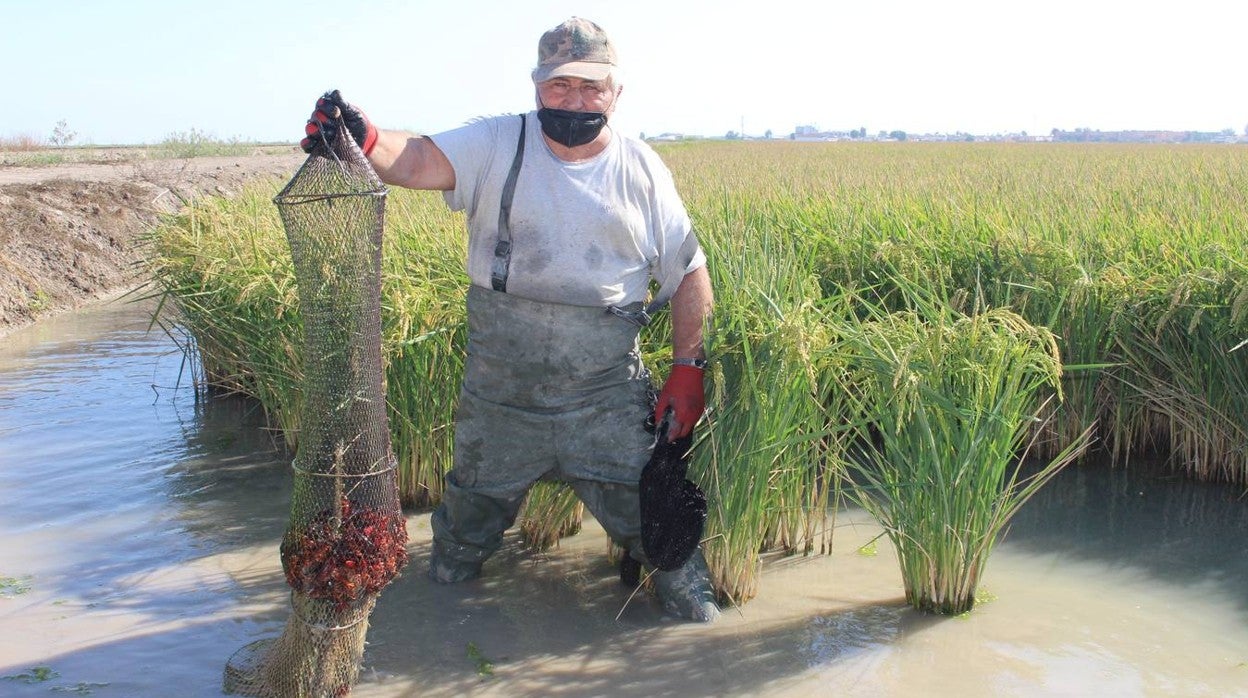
<point>1176,531</point>
<point>120,491</point>
<point>145,523</point>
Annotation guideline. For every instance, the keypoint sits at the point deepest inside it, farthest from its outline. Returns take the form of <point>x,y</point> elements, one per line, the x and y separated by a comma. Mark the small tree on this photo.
<point>61,135</point>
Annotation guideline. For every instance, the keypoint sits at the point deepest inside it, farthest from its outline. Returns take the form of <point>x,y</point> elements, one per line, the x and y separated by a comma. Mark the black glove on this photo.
<point>332,110</point>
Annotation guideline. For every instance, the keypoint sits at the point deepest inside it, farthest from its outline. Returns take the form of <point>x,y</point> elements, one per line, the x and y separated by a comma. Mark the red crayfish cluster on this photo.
<point>341,555</point>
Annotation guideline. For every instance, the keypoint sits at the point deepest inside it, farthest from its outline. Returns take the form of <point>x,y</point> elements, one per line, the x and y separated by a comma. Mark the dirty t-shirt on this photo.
<point>589,233</point>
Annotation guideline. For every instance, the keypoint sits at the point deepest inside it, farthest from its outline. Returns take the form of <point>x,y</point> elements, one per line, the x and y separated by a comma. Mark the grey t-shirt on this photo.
<point>588,233</point>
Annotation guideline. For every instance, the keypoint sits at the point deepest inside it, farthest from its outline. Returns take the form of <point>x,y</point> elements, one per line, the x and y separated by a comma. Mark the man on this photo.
<point>568,221</point>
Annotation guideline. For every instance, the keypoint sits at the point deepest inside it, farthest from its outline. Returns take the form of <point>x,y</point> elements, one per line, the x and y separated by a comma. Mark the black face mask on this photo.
<point>571,128</point>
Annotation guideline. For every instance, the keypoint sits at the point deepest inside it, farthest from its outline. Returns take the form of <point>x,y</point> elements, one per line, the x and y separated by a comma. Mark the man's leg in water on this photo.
<point>499,453</point>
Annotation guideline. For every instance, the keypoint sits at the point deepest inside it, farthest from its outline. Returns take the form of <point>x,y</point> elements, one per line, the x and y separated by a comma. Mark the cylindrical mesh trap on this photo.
<point>347,537</point>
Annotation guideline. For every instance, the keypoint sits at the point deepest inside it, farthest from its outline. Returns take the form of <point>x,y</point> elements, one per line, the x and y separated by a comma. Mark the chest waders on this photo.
<point>550,391</point>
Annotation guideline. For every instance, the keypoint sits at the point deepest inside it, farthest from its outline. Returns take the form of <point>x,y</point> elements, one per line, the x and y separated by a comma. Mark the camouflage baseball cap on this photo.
<point>577,48</point>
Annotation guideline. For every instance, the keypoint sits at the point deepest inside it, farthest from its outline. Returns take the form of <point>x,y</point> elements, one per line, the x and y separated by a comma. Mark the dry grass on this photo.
<point>21,143</point>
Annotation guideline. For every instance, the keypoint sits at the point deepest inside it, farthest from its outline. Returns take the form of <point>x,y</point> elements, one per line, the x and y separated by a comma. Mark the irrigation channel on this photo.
<point>141,527</point>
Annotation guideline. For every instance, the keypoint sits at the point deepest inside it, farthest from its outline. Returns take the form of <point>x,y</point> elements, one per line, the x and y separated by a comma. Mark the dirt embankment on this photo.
<point>68,232</point>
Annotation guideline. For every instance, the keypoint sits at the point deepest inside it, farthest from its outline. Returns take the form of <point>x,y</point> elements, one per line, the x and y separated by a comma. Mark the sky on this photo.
<point>141,71</point>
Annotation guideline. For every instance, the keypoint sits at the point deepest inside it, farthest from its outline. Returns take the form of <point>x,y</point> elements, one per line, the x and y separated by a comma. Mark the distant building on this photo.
<point>812,133</point>
<point>1087,135</point>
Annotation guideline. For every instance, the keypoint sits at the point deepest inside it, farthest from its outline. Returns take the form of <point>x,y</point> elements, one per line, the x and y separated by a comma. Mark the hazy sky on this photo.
<point>136,71</point>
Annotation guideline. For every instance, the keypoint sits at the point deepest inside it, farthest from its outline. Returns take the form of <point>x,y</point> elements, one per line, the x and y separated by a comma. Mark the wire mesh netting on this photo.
<point>347,538</point>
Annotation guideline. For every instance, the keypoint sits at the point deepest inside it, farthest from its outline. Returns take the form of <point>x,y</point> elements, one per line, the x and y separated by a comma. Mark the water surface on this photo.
<point>141,525</point>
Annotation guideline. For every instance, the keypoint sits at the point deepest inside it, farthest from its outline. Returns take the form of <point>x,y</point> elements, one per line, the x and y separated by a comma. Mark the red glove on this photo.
<point>683,394</point>
<point>332,110</point>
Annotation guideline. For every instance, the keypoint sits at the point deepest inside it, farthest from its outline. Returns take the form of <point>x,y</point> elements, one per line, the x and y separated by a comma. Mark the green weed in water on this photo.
<point>13,586</point>
<point>36,674</point>
<point>485,668</point>
<point>982,596</point>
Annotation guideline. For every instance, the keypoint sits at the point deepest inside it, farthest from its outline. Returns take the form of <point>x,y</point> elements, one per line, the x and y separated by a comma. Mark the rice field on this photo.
<point>894,322</point>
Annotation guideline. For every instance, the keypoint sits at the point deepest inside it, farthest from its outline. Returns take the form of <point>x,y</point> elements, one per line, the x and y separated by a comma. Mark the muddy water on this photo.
<point>140,532</point>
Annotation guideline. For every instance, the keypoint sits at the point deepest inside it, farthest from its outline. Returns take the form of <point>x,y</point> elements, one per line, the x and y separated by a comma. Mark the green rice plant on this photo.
<point>1132,256</point>
<point>767,458</point>
<point>947,401</point>
<point>1068,236</point>
<point>424,335</point>
<point>1187,368</point>
<point>1091,385</point>
<point>550,512</point>
<point>224,269</point>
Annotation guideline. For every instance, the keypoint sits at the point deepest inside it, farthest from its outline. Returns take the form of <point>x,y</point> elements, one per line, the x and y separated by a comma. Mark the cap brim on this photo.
<point>575,69</point>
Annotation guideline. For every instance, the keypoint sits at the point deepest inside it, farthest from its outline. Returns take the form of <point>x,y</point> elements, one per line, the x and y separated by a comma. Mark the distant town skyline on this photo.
<point>809,132</point>
<point>136,71</point>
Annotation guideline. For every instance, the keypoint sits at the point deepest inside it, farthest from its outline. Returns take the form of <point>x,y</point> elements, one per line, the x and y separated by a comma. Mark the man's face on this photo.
<point>575,94</point>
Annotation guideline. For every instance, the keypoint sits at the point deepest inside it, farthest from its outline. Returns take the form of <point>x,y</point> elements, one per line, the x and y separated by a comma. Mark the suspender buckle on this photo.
<point>639,318</point>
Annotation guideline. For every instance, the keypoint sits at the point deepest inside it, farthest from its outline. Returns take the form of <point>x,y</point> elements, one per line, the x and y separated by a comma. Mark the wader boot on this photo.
<point>687,592</point>
<point>479,522</point>
<point>444,569</point>
<point>550,391</point>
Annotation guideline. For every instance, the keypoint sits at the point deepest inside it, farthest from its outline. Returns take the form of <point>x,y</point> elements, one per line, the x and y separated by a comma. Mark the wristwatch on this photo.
<point>699,364</point>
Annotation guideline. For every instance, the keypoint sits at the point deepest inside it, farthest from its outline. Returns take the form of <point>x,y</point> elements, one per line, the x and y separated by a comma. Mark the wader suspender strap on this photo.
<point>667,286</point>
<point>502,250</point>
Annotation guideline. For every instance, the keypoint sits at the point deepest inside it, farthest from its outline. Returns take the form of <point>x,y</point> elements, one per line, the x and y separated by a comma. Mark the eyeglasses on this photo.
<point>591,91</point>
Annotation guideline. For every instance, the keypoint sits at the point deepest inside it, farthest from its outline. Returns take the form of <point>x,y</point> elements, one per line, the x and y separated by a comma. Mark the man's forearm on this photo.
<point>691,307</point>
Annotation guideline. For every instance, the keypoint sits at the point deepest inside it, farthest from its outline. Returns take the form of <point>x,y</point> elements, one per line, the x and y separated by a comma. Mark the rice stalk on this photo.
<point>550,512</point>
<point>767,458</point>
<point>948,400</point>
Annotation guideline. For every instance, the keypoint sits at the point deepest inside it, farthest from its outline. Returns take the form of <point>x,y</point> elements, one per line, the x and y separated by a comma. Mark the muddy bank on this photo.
<point>69,233</point>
